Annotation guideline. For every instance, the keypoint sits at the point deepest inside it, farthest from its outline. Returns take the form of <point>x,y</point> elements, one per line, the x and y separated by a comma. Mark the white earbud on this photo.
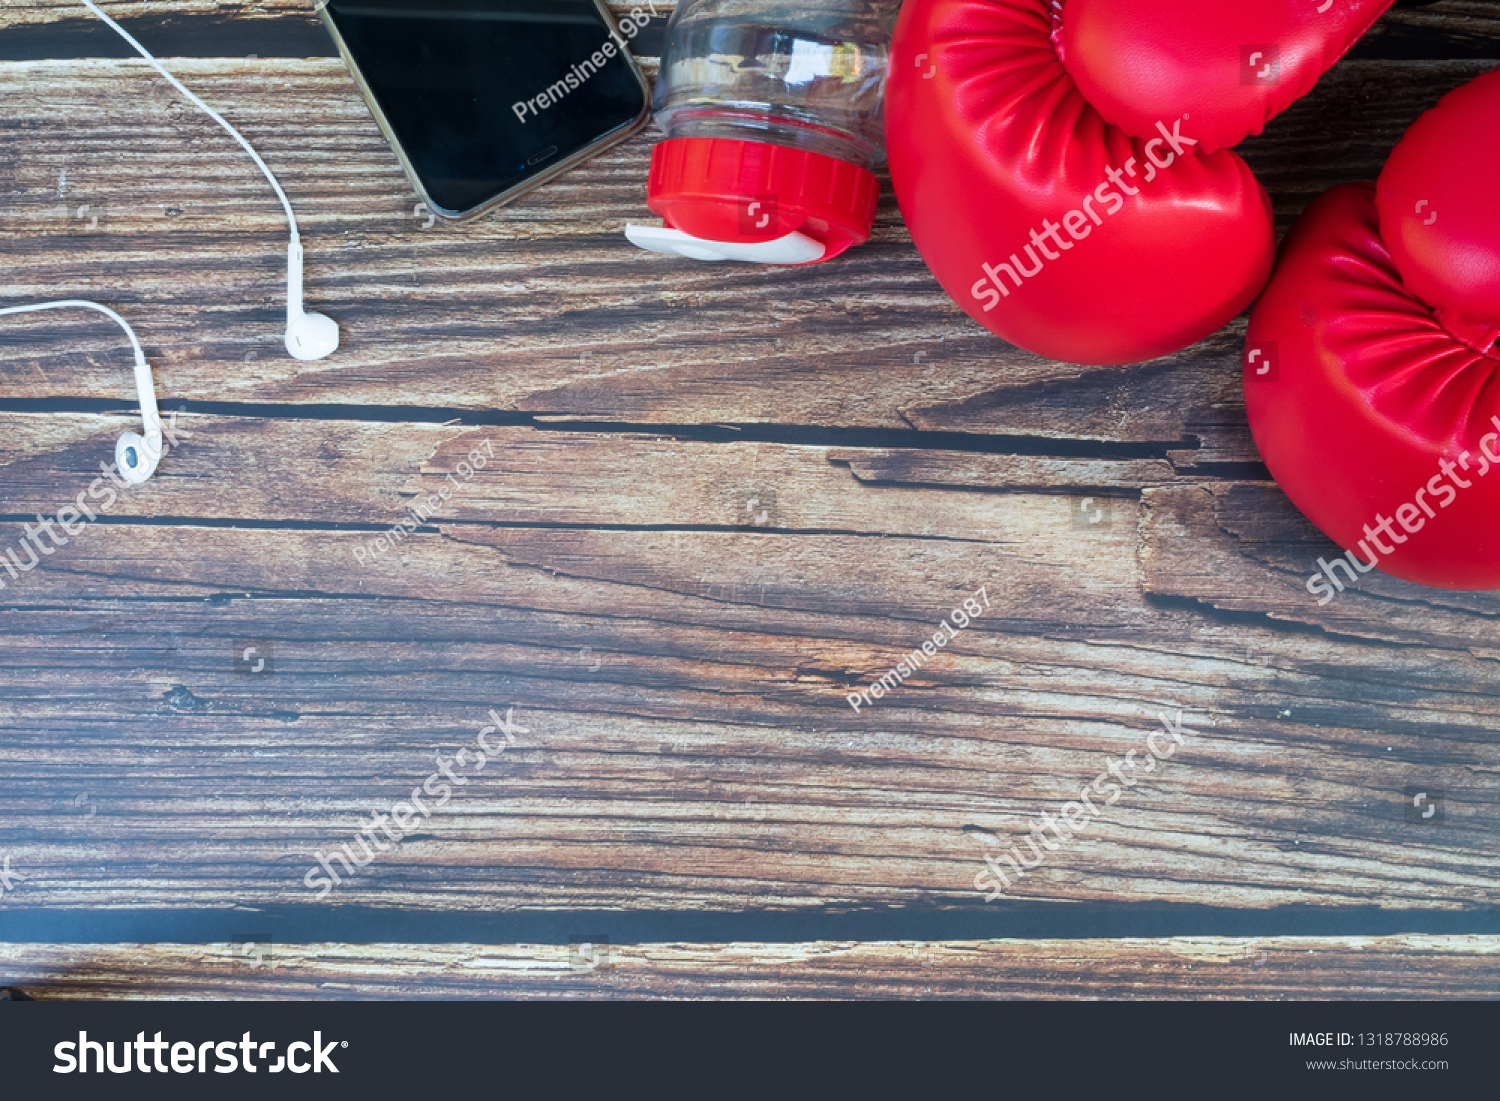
<point>308,335</point>
<point>136,455</point>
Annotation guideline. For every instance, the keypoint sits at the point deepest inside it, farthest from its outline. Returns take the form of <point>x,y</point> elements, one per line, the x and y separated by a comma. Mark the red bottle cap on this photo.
<point>720,189</point>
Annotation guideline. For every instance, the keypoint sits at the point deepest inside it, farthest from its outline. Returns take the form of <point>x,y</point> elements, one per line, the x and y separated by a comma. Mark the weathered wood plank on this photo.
<point>581,478</point>
<point>1279,968</point>
<point>225,468</point>
<point>675,676</point>
<point>371,472</point>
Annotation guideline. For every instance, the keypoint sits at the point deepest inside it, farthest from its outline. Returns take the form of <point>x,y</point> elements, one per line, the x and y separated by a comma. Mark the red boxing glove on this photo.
<point>1234,65</point>
<point>1088,237</point>
<point>1371,376</point>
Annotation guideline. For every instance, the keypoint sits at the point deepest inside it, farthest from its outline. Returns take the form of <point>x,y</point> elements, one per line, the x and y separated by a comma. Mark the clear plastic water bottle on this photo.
<point>773,122</point>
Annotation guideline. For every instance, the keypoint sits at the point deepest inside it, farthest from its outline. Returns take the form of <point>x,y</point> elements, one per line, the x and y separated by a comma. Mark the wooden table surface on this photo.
<point>716,500</point>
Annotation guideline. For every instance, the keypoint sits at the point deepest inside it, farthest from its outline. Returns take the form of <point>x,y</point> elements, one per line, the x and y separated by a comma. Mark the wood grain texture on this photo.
<point>1268,969</point>
<point>711,760</point>
<point>715,500</point>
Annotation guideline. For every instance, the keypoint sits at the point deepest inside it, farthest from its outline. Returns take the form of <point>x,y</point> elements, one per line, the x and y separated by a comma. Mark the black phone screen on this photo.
<point>483,94</point>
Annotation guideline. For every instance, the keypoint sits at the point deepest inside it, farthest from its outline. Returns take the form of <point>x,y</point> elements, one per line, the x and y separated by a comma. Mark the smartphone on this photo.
<point>484,100</point>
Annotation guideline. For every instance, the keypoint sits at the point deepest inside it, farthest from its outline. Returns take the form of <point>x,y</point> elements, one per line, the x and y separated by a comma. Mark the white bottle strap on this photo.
<point>795,248</point>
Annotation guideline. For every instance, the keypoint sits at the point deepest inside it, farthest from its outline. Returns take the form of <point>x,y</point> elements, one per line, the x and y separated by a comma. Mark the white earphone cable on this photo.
<point>80,304</point>
<point>206,109</point>
<point>144,384</point>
